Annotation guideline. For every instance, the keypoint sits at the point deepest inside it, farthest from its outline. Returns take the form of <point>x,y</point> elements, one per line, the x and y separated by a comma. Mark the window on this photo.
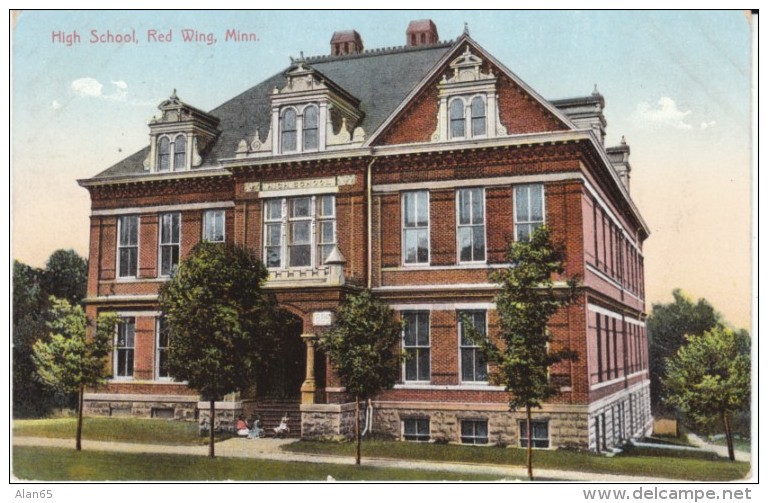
<point>416,429</point>
<point>473,364</point>
<point>471,227</point>
<point>299,231</point>
<point>128,246</point>
<point>416,227</point>
<point>172,154</point>
<point>169,242</point>
<point>288,131</point>
<point>474,432</point>
<point>161,349</point>
<point>326,227</point>
<point>213,226</point>
<point>299,225</point>
<point>309,133</point>
<point>164,154</point>
<point>416,345</point>
<point>539,434</point>
<point>457,119</point>
<point>478,116</point>
<point>124,347</point>
<point>529,210</point>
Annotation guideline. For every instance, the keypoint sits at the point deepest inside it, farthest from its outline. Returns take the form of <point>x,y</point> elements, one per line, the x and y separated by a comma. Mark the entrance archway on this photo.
<point>282,374</point>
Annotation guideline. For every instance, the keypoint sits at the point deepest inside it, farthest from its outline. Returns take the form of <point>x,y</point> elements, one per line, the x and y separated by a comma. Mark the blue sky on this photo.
<point>676,84</point>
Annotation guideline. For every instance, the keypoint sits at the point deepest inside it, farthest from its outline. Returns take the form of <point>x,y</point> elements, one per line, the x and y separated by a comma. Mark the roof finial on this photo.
<point>623,140</point>
<point>466,28</point>
<point>594,91</point>
<point>173,95</point>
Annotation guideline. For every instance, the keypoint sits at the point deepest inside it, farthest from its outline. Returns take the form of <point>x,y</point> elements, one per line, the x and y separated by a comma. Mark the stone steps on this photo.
<point>270,412</point>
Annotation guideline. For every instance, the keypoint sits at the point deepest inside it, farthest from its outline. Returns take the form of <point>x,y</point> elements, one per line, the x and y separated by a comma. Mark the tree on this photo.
<point>361,345</point>
<point>71,359</point>
<point>222,324</point>
<point>710,376</point>
<point>523,354</point>
<point>667,327</point>
<point>66,276</point>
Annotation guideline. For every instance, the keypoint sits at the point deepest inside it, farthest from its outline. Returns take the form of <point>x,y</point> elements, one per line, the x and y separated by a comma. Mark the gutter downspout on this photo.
<point>369,195</point>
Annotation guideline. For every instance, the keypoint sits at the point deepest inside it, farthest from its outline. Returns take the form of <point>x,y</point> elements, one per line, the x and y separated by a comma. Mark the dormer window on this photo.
<point>164,154</point>
<point>462,109</point>
<point>309,130</point>
<point>180,153</point>
<point>305,121</point>
<point>458,124</point>
<point>288,130</point>
<point>172,153</point>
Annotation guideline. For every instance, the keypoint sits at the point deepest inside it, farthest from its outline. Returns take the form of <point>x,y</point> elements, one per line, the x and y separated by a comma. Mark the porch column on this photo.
<point>308,387</point>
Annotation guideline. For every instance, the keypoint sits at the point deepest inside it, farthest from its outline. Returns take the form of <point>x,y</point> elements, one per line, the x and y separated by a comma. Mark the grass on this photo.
<point>114,429</point>
<point>662,467</point>
<point>53,464</point>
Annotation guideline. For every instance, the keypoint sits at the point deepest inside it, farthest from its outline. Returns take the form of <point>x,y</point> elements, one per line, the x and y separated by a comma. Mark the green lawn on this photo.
<point>114,429</point>
<point>52,464</point>
<point>682,468</point>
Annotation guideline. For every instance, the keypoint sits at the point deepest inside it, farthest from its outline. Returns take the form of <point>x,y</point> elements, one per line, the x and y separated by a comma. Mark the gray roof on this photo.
<point>380,79</point>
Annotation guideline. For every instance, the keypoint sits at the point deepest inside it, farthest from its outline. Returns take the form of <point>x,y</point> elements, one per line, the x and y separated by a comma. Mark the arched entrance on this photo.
<point>282,374</point>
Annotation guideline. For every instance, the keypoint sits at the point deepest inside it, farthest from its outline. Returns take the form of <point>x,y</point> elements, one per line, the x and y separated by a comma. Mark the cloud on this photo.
<point>87,86</point>
<point>665,114</point>
<point>56,105</point>
<point>706,125</point>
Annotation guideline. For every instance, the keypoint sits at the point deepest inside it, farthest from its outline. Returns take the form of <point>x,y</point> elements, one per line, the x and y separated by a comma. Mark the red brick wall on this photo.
<point>416,123</point>
<point>520,113</point>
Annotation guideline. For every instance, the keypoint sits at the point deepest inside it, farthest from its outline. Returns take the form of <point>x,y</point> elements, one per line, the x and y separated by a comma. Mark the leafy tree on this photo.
<point>523,355</point>
<point>66,276</point>
<point>667,327</point>
<point>361,347</point>
<point>710,376</point>
<point>222,324</point>
<point>71,359</point>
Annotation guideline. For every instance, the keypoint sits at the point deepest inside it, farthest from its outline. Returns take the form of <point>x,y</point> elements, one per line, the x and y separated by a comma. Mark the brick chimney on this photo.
<point>422,32</point>
<point>346,42</point>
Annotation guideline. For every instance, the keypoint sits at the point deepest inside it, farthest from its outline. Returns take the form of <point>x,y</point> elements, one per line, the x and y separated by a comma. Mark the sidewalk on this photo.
<point>270,449</point>
<point>721,450</point>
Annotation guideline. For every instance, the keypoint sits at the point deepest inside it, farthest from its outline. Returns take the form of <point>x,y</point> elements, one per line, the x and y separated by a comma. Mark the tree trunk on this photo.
<point>211,423</point>
<point>529,454</point>
<point>79,434</point>
<point>728,436</point>
<point>357,428</point>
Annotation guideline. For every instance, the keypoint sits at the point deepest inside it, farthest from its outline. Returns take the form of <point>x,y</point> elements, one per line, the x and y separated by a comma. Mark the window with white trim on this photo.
<point>474,431</point>
<point>539,434</point>
<point>471,224</point>
<point>300,129</point>
<point>288,131</point>
<point>161,349</point>
<point>128,246</point>
<point>529,210</point>
<point>299,232</point>
<point>416,227</point>
<point>468,117</point>
<point>309,134</point>
<point>416,346</point>
<point>172,153</point>
<point>416,429</point>
<point>170,242</point>
<point>474,367</point>
<point>213,226</point>
<point>125,341</point>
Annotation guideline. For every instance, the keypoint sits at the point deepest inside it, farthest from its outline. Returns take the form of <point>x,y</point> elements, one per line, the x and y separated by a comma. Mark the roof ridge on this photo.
<point>379,51</point>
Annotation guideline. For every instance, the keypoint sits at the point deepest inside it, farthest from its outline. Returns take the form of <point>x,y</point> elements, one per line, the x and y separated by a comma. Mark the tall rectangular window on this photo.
<point>299,232</point>
<point>599,350</point>
<point>128,246</point>
<point>161,349</point>
<point>416,346</point>
<point>529,210</point>
<point>471,225</point>
<point>124,347</point>
<point>326,227</point>
<point>473,365</point>
<point>170,241</point>
<point>273,232</point>
<point>416,227</point>
<point>213,226</point>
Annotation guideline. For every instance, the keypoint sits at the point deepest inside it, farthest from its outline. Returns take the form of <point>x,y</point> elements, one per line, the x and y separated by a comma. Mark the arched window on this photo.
<point>288,131</point>
<point>180,153</point>
<point>457,119</point>
<point>164,154</point>
<point>478,116</point>
<point>309,133</point>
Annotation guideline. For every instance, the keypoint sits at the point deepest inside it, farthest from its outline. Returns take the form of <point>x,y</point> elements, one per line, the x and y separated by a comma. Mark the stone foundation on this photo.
<point>328,421</point>
<point>619,417</point>
<point>165,408</point>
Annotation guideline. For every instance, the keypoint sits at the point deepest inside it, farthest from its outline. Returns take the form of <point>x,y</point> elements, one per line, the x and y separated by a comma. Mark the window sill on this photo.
<point>449,387</point>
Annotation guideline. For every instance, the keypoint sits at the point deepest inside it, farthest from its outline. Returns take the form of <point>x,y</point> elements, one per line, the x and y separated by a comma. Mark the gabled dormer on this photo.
<point>311,113</point>
<point>468,101</point>
<point>179,136</point>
